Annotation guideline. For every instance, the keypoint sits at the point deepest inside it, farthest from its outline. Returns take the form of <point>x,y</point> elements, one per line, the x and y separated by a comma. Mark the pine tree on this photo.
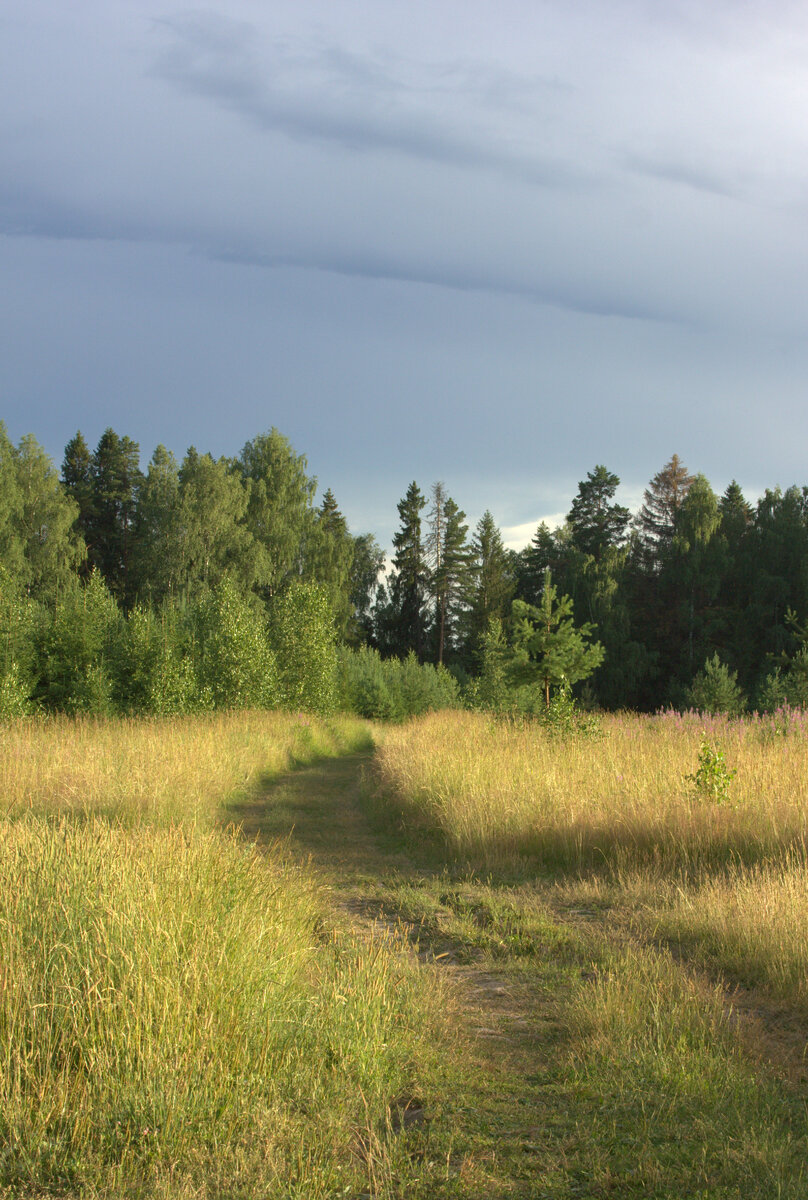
<point>550,649</point>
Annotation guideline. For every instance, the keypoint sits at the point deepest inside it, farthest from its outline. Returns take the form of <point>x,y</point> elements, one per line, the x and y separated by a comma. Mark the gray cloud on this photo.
<point>29,213</point>
<point>586,300</point>
<point>325,94</point>
<point>670,171</point>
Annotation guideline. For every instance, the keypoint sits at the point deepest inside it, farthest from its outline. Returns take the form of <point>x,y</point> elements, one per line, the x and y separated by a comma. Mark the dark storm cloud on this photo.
<point>548,234</point>
<point>27,213</point>
<point>324,94</point>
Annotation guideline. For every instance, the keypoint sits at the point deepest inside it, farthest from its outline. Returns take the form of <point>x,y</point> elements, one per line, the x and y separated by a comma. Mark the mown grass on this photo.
<point>179,1014</point>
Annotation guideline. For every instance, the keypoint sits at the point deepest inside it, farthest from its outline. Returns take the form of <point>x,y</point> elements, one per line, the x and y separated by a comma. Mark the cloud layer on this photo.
<point>421,240</point>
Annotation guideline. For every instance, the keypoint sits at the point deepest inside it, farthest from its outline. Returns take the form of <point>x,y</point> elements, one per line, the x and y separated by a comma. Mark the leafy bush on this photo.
<point>303,638</point>
<point>713,778</point>
<point>236,667</point>
<point>76,650</point>
<point>155,671</point>
<point>392,688</point>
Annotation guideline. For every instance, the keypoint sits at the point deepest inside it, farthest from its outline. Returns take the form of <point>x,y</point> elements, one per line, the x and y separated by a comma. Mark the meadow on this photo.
<point>208,985</point>
<point>619,820</point>
<point>180,1012</point>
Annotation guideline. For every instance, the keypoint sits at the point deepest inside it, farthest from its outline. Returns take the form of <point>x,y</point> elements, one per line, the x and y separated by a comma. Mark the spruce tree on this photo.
<point>115,478</point>
<point>78,482</point>
<point>493,582</point>
<point>596,523</point>
<point>156,562</point>
<point>329,557</point>
<point>656,519</point>
<point>450,561</point>
<point>406,616</point>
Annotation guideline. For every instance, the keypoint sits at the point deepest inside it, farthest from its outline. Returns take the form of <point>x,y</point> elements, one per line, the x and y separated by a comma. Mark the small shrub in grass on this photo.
<point>562,718</point>
<point>713,777</point>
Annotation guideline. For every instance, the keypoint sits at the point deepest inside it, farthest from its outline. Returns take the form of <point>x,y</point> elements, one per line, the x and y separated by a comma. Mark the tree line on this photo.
<point>219,581</point>
<point>694,594</point>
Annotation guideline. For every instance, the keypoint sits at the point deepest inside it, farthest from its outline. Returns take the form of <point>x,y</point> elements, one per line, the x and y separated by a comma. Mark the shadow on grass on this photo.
<point>318,810</point>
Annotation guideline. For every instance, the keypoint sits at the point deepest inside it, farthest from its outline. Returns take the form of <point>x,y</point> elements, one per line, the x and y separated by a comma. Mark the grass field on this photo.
<point>209,985</point>
<point>685,919</point>
<point>179,1013</point>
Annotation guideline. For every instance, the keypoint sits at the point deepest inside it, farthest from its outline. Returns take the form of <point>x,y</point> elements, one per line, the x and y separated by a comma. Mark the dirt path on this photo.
<point>510,1027</point>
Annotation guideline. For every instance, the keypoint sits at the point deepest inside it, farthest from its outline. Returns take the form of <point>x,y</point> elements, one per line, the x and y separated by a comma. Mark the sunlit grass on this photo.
<point>618,824</point>
<point>163,771</point>
<point>179,1013</point>
<point>496,792</point>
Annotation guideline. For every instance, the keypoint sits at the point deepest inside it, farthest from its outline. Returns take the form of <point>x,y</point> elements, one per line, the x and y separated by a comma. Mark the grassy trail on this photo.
<point>537,1105</point>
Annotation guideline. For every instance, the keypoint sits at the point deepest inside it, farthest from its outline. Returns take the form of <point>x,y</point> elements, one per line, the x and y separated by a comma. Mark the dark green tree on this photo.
<point>450,562</point>
<point>596,523</point>
<point>404,619</point>
<point>77,478</point>
<point>329,558</point>
<point>115,477</point>
<point>493,581</point>
<point>156,558</point>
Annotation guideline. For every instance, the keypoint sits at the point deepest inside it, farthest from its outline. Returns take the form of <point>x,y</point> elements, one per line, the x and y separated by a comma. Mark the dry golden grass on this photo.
<point>496,791</point>
<point>160,771</point>
<point>178,1014</point>
<point>620,824</point>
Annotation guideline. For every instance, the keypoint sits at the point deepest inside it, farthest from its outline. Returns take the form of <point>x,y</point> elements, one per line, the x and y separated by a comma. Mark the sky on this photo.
<point>447,240</point>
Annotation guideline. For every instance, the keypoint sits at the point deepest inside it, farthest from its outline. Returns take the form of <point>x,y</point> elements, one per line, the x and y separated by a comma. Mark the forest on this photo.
<point>216,583</point>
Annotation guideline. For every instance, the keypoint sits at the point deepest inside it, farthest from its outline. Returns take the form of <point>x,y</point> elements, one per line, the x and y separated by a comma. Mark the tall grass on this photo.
<point>178,1014</point>
<point>495,791</point>
<point>161,770</point>
<point>620,821</point>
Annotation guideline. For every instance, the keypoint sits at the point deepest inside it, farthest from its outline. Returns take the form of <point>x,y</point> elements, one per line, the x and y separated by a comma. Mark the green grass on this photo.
<point>273,990</point>
<point>180,1015</point>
